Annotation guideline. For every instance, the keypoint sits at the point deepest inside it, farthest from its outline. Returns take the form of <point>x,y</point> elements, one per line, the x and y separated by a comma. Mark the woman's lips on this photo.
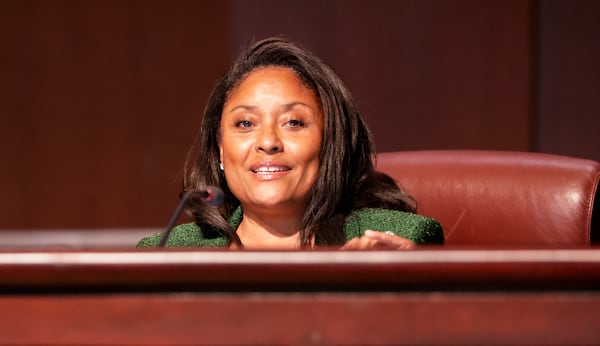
<point>269,170</point>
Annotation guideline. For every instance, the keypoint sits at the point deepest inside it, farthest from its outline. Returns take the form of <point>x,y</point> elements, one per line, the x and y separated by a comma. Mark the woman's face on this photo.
<point>271,132</point>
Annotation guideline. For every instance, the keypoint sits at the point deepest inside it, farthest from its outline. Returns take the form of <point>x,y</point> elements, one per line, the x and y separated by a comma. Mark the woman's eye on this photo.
<point>296,123</point>
<point>243,124</point>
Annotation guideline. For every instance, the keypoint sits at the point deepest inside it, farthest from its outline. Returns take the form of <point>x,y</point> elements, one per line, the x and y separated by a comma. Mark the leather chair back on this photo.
<point>502,198</point>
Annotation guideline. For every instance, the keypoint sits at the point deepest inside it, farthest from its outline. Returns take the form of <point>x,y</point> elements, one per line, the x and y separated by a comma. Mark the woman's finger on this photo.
<point>390,239</point>
<point>362,243</point>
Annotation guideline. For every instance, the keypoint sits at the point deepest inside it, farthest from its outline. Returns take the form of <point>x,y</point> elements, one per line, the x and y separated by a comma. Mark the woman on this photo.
<point>283,138</point>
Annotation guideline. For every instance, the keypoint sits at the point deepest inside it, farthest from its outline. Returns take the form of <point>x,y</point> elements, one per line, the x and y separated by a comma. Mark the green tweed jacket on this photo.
<point>420,229</point>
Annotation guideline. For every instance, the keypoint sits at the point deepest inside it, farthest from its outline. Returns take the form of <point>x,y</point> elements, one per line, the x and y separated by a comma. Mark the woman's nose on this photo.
<point>269,141</point>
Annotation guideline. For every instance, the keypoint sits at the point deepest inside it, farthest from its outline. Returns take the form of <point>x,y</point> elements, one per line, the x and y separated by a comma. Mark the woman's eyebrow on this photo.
<point>288,106</point>
<point>284,107</point>
<point>244,107</point>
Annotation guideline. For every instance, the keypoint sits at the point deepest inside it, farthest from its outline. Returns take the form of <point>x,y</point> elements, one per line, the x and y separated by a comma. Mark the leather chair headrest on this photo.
<point>501,198</point>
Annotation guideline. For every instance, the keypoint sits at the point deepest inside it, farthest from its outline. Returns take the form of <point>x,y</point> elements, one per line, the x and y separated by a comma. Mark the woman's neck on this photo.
<point>269,231</point>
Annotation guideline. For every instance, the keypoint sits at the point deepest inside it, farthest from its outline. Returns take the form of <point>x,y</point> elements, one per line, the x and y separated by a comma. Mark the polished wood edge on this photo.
<point>173,270</point>
<point>206,257</point>
<point>74,238</point>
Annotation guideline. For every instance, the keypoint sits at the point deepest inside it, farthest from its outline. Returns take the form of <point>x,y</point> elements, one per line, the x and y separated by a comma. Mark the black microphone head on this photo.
<point>210,195</point>
<point>214,196</point>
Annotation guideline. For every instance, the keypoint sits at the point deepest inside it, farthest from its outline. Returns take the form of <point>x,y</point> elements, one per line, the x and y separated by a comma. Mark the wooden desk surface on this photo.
<point>193,270</point>
<point>185,297</point>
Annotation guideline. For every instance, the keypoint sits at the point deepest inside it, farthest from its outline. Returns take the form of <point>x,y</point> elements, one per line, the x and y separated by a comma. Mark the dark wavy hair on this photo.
<point>346,179</point>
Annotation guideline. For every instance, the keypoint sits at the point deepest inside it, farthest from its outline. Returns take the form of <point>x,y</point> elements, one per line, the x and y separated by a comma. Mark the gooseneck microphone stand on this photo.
<point>211,196</point>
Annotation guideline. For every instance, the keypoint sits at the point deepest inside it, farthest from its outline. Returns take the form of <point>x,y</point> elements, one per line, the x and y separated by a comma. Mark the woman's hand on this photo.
<point>374,240</point>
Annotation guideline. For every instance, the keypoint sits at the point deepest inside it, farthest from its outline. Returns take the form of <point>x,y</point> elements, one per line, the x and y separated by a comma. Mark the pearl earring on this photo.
<point>221,165</point>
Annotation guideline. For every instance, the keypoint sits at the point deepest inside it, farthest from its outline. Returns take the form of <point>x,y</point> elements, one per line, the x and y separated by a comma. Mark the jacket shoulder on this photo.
<point>418,228</point>
<point>185,235</point>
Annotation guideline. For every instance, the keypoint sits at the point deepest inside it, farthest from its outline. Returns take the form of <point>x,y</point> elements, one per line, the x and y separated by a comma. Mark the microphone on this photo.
<point>210,195</point>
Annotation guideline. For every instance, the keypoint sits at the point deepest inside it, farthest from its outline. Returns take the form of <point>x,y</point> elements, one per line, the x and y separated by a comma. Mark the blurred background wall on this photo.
<point>100,100</point>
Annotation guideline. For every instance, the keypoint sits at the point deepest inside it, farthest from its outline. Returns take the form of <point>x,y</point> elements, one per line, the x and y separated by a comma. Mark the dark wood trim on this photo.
<point>434,318</point>
<point>235,271</point>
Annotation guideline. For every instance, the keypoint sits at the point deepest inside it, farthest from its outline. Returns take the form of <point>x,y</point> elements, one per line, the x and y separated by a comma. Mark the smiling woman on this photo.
<point>271,130</point>
<point>282,137</point>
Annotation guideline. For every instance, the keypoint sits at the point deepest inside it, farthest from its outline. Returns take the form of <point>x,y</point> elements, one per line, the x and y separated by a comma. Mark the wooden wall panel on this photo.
<point>569,78</point>
<point>100,102</point>
<point>427,74</point>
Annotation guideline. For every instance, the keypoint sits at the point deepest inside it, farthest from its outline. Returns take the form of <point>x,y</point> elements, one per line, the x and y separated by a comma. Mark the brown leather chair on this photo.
<point>502,198</point>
